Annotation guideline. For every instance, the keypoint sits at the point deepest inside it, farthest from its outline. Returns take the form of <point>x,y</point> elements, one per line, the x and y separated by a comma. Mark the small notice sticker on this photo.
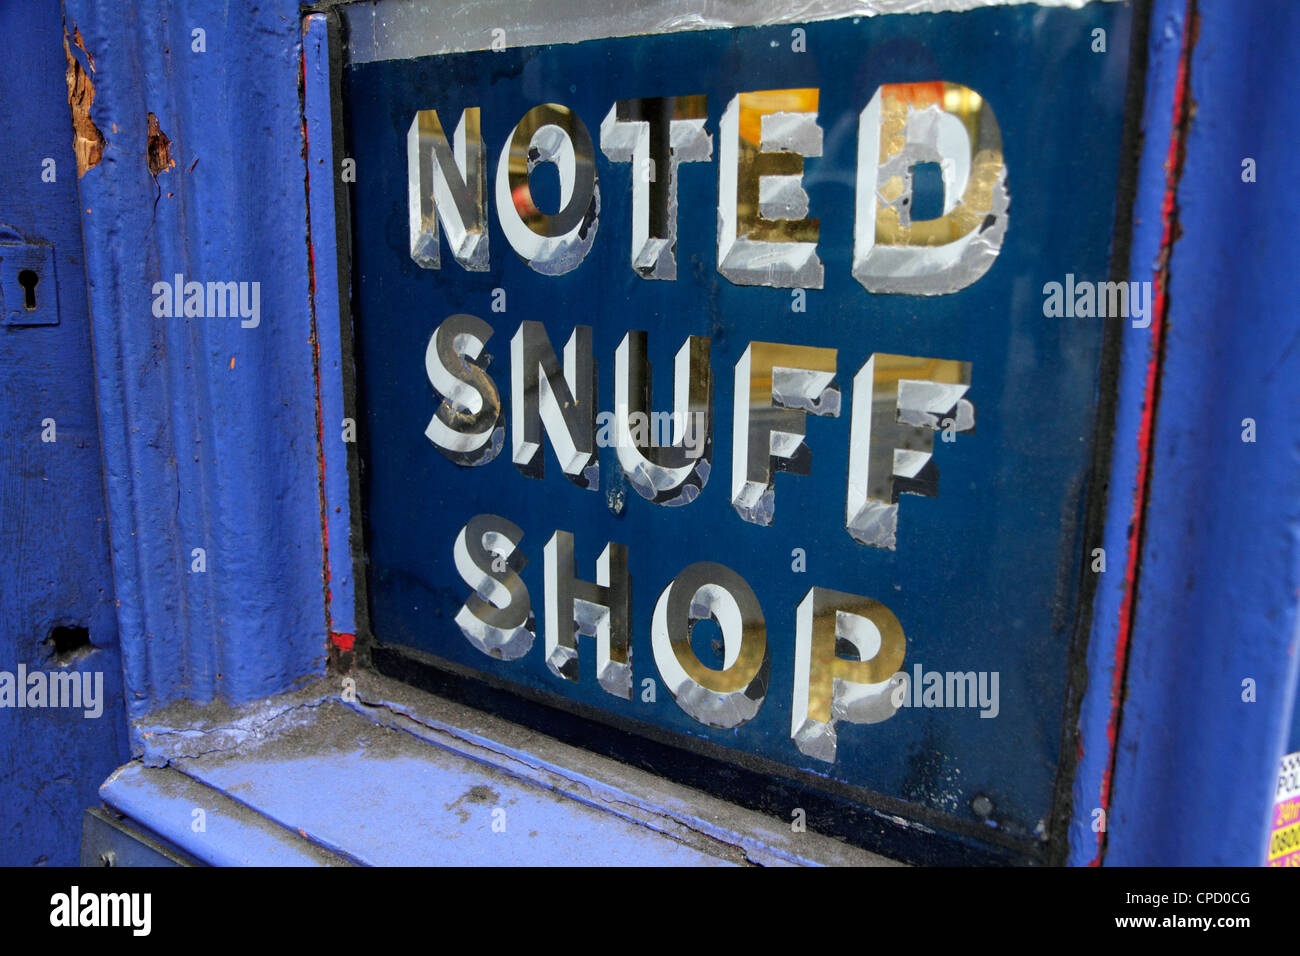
<point>1284,841</point>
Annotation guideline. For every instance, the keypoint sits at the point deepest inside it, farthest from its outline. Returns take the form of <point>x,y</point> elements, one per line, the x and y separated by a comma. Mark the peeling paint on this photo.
<point>81,45</point>
<point>160,154</point>
<point>88,142</point>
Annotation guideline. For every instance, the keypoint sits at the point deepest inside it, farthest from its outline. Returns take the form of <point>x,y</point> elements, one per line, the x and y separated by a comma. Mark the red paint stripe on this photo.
<point>343,642</point>
<point>1146,429</point>
<point>316,375</point>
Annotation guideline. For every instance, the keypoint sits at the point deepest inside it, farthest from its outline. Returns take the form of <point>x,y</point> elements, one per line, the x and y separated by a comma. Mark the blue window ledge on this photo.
<point>391,776</point>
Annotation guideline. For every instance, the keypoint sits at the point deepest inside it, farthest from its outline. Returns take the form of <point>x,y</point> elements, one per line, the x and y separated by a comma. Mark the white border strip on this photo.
<point>402,29</point>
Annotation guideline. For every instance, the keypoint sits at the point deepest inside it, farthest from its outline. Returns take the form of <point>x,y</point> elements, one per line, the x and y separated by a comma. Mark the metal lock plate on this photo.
<point>28,291</point>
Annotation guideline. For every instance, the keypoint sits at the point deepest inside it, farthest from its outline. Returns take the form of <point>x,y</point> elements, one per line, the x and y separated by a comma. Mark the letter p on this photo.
<point>828,687</point>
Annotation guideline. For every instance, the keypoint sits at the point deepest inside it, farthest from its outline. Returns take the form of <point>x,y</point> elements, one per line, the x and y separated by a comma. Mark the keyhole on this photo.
<point>28,279</point>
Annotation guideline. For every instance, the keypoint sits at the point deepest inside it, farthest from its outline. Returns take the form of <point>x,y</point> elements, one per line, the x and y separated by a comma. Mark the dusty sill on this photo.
<point>384,774</point>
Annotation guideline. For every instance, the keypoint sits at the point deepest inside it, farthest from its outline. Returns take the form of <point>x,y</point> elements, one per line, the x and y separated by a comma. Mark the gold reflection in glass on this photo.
<point>525,154</point>
<point>766,357</point>
<point>753,163</point>
<point>826,666</point>
<point>893,225</point>
<point>892,369</point>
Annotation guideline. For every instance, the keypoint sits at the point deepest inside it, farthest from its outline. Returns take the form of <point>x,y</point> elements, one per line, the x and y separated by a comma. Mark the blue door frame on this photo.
<point>56,589</point>
<point>219,436</point>
<point>1186,757</point>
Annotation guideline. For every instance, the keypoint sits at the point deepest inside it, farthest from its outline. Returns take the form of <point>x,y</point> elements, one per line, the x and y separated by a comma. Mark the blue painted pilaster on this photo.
<point>1198,747</point>
<point>209,422</point>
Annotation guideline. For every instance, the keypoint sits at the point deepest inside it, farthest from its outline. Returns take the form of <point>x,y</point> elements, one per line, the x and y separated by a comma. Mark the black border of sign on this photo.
<point>1131,144</point>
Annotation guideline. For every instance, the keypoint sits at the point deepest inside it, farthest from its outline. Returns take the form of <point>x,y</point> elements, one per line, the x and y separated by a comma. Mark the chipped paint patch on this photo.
<point>88,142</point>
<point>160,153</point>
<point>81,45</point>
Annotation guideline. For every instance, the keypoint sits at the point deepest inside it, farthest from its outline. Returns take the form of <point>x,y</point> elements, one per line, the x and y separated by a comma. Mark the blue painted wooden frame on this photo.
<point>332,321</point>
<point>209,428</point>
<point>1109,635</point>
<point>220,437</point>
<point>54,553</point>
<point>1194,761</point>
